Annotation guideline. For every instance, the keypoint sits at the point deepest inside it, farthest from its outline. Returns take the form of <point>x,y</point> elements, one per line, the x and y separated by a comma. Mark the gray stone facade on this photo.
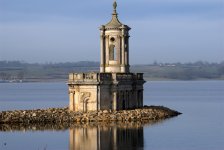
<point>114,87</point>
<point>100,91</point>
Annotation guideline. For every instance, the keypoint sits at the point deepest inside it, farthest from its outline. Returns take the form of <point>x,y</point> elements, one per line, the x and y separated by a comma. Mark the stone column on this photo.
<point>119,49</point>
<point>135,93</point>
<point>98,98</point>
<point>128,100</point>
<point>102,49</point>
<point>127,49</point>
<point>102,53</point>
<point>141,102</point>
<point>107,49</point>
<point>71,101</point>
<point>126,58</point>
<point>76,108</point>
<point>123,51</point>
<point>140,98</point>
<point>114,107</point>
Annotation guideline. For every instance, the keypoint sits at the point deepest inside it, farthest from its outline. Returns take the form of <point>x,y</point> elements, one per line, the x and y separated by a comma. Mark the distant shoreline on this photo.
<point>16,71</point>
<point>64,80</point>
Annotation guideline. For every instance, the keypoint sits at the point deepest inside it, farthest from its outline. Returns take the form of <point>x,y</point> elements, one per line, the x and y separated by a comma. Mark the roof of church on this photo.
<point>115,23</point>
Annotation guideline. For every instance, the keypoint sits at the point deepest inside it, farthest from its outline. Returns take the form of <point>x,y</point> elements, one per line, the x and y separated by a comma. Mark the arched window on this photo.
<point>112,51</point>
<point>85,104</point>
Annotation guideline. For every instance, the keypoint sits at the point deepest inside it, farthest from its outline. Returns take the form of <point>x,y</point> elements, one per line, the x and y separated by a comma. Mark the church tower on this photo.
<point>114,87</point>
<point>114,45</point>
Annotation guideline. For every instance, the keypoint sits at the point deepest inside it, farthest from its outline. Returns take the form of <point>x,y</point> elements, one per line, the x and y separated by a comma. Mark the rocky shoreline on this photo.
<point>62,115</point>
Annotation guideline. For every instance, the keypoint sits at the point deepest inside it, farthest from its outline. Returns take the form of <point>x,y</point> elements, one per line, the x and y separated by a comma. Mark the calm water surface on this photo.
<point>201,126</point>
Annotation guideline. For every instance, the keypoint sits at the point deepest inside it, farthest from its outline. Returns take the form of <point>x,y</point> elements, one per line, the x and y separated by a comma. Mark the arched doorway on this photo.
<point>85,97</point>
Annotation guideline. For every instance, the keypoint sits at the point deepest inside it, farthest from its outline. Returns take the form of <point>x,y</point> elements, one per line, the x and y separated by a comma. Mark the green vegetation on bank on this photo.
<point>179,71</point>
<point>16,71</point>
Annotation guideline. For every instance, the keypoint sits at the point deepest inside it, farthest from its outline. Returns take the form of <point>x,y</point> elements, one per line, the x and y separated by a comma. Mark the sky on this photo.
<point>170,31</point>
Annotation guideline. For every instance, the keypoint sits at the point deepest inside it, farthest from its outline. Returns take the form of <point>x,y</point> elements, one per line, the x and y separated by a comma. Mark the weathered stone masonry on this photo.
<point>100,91</point>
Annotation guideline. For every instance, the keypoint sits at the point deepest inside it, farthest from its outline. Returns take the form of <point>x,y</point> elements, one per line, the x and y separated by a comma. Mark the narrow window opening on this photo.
<point>112,52</point>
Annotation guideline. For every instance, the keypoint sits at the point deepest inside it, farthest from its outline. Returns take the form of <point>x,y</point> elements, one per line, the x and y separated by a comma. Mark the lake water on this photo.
<point>200,127</point>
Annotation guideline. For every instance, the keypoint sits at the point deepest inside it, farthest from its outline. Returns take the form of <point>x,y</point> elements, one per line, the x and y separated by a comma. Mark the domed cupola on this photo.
<point>114,45</point>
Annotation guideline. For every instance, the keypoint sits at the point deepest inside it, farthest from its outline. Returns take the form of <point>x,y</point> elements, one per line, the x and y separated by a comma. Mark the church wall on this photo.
<point>122,93</point>
<point>87,97</point>
<point>130,96</point>
<point>106,97</point>
<point>120,100</point>
<point>132,99</point>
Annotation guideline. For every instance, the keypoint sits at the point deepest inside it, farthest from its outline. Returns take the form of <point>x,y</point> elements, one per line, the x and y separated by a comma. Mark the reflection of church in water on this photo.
<point>115,87</point>
<point>106,138</point>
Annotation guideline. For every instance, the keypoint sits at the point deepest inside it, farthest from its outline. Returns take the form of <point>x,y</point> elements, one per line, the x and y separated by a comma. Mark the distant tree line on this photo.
<point>182,71</point>
<point>17,70</point>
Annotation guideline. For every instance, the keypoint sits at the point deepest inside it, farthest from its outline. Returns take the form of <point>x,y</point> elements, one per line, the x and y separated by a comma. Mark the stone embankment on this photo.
<point>62,115</point>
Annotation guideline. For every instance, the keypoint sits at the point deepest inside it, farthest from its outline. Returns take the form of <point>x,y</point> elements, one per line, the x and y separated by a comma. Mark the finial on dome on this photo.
<point>115,6</point>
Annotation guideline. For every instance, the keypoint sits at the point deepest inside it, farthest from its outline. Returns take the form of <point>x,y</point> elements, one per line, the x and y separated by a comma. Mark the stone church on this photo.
<point>114,87</point>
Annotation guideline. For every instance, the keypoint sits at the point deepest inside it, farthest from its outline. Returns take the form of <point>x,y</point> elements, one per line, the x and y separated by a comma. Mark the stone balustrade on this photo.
<point>128,76</point>
<point>97,77</point>
<point>89,77</point>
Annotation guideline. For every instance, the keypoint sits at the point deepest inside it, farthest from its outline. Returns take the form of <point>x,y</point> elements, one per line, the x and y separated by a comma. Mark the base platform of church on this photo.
<point>63,115</point>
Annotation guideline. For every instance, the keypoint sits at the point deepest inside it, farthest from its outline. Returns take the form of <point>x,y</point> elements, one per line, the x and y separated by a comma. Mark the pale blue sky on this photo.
<point>68,30</point>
